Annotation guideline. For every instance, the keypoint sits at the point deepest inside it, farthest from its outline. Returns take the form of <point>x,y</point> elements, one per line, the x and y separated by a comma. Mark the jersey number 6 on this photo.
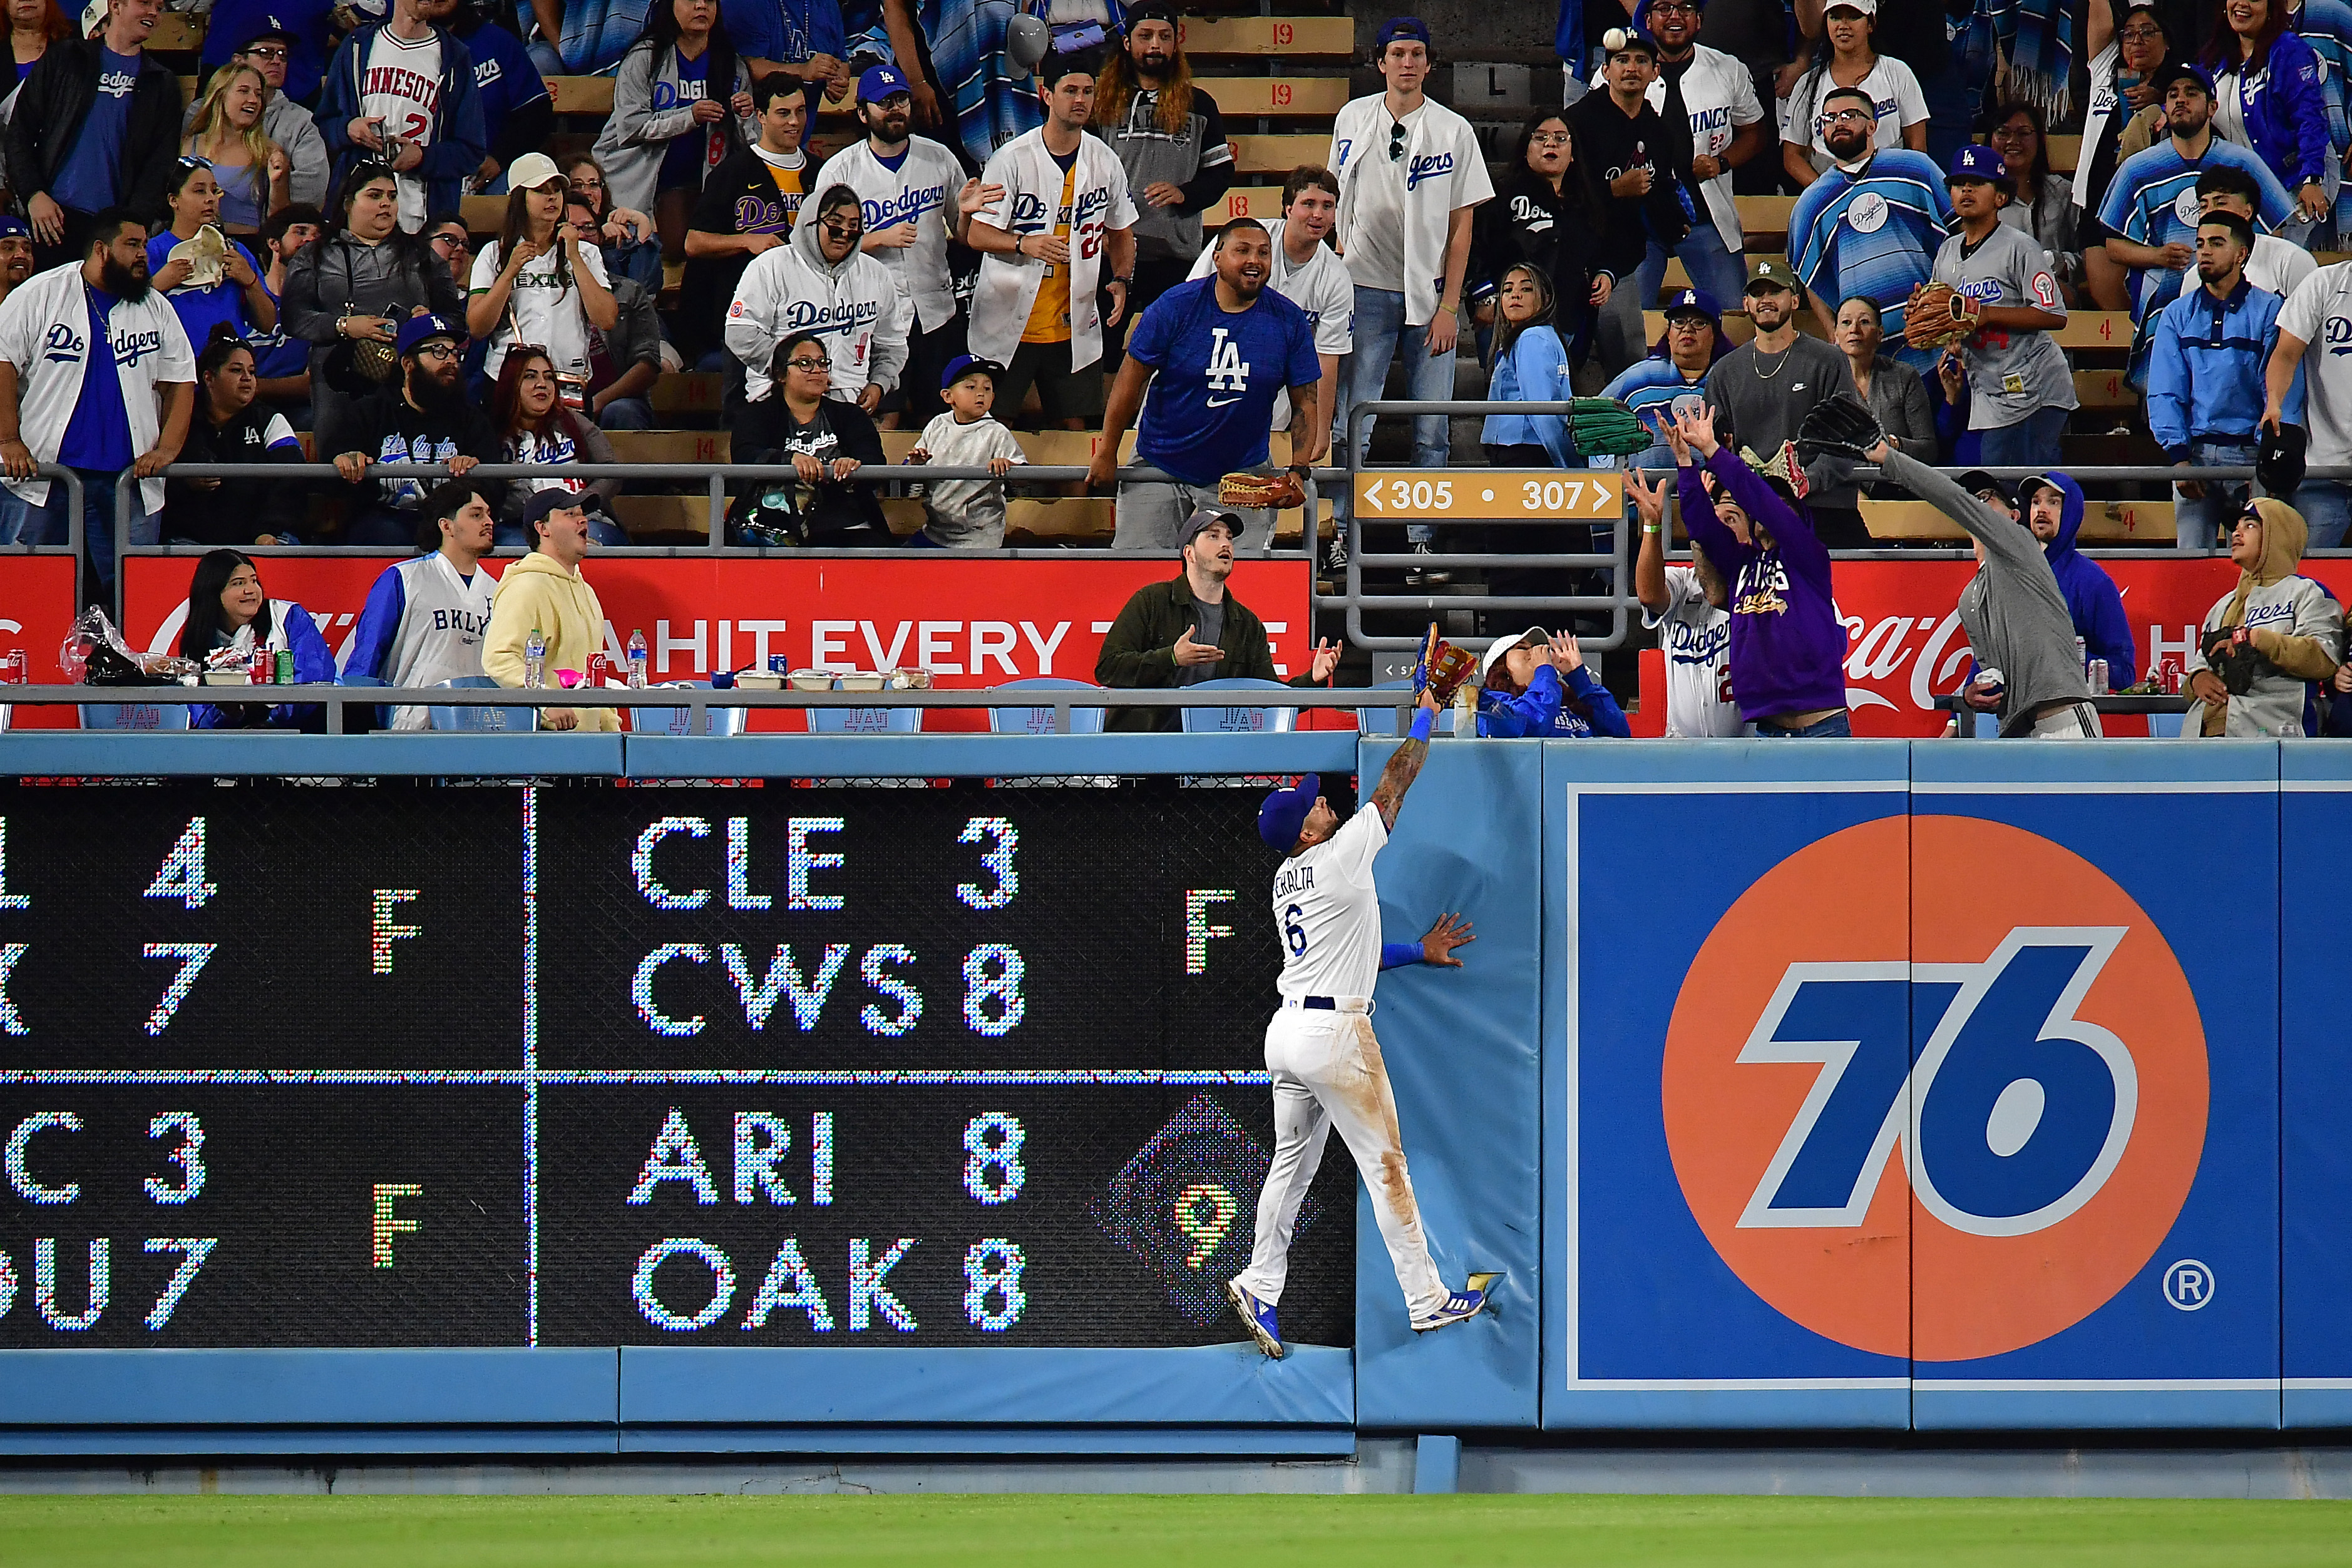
<point>1294,932</point>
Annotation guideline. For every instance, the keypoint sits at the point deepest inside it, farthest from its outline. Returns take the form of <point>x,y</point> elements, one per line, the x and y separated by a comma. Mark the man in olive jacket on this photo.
<point>1189,629</point>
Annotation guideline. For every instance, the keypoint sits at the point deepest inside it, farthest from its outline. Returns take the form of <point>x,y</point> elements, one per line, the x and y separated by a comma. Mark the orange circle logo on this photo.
<point>1943,1115</point>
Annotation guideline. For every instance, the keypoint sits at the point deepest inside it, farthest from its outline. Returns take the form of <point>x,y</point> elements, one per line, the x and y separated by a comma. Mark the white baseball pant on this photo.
<point>1328,1072</point>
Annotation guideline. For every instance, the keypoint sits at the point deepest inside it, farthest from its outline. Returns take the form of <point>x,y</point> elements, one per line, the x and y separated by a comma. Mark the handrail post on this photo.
<point>718,510</point>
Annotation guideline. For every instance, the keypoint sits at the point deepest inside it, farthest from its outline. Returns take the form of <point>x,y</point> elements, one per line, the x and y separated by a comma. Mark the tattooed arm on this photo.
<point>1404,765</point>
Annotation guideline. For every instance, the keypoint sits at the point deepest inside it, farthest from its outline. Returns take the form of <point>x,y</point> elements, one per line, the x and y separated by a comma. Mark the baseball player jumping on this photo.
<point>1326,1064</point>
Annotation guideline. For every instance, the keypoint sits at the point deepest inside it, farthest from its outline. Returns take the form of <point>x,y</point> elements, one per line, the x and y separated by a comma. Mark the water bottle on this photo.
<point>636,660</point>
<point>534,658</point>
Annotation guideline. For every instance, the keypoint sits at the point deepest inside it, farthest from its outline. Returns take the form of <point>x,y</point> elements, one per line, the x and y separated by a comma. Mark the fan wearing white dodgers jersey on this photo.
<point>2318,316</point>
<point>1320,1053</point>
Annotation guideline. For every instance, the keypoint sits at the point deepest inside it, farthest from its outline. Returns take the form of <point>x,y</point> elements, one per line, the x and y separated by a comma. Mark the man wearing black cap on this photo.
<point>425,417</point>
<point>269,46</point>
<point>2151,212</point>
<point>1768,385</point>
<point>1189,629</point>
<point>1320,1053</point>
<point>1640,158</point>
<point>1169,134</point>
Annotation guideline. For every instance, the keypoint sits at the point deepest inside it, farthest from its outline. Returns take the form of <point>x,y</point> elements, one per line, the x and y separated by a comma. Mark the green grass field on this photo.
<point>1141,1532</point>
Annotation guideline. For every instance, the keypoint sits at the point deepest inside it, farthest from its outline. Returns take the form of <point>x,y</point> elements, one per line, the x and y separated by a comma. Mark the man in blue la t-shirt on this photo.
<point>1215,353</point>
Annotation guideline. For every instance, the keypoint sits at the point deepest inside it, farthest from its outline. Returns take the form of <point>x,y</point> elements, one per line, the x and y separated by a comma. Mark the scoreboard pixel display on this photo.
<point>498,1065</point>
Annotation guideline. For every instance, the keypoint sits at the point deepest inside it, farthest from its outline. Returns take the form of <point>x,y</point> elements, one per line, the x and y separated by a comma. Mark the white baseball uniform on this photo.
<point>1696,639</point>
<point>1327,1066</point>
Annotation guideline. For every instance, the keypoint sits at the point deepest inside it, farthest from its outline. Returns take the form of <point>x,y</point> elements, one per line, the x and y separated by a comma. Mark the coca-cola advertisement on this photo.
<point>37,610</point>
<point>970,622</point>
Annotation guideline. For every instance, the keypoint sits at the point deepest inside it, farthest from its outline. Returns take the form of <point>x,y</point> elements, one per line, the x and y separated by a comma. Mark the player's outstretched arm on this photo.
<point>1404,763</point>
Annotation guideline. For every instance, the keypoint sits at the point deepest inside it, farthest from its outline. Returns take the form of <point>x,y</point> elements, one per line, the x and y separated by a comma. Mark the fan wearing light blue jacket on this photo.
<point>1530,366</point>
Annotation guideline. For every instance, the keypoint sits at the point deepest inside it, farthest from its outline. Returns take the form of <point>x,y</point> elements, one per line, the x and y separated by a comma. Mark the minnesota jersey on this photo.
<point>2013,374</point>
<point>1327,913</point>
<point>1873,234</point>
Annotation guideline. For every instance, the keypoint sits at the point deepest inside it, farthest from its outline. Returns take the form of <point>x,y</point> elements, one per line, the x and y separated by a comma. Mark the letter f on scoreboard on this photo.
<point>2012,1112</point>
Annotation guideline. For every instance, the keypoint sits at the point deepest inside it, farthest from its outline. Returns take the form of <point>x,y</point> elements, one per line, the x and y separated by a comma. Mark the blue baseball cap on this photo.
<point>879,83</point>
<point>1977,162</point>
<point>1695,302</point>
<point>14,226</point>
<point>1397,27</point>
<point>416,329</point>
<point>963,365</point>
<point>1283,815</point>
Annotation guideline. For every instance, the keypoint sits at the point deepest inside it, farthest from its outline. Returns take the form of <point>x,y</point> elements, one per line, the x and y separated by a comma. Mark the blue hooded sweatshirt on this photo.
<point>2093,602</point>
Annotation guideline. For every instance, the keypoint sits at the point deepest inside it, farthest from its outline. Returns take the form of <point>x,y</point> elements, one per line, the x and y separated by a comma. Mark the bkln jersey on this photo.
<point>1326,913</point>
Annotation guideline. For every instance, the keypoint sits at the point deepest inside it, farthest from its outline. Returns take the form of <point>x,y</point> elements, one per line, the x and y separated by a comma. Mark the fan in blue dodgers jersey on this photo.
<point>1320,1053</point>
<point>425,618</point>
<point>2019,389</point>
<point>1871,225</point>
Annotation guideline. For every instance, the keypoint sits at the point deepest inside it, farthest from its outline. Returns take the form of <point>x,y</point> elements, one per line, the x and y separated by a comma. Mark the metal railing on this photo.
<point>75,534</point>
<point>716,477</point>
<point>700,700</point>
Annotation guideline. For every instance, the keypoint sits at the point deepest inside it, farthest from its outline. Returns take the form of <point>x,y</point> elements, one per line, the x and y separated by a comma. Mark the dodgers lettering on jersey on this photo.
<point>907,206</point>
<point>1428,166</point>
<point>67,346</point>
<point>1326,913</point>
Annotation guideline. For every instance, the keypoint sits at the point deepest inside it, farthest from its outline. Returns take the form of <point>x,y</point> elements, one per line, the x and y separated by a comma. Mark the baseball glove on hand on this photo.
<point>2232,653</point>
<point>1442,669</point>
<point>1840,427</point>
<point>1280,490</point>
<point>1938,315</point>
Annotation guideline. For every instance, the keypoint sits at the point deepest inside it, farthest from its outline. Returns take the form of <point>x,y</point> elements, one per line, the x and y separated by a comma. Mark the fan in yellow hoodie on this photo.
<point>544,590</point>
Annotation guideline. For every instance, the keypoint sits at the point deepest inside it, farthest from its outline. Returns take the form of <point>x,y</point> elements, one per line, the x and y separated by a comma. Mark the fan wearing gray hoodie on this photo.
<point>824,284</point>
<point>2013,611</point>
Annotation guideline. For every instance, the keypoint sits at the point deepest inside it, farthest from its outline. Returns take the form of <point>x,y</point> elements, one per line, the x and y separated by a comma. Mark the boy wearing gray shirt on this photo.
<point>2019,389</point>
<point>966,514</point>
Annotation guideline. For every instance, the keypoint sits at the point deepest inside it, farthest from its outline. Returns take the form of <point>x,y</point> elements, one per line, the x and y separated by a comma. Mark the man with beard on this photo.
<point>2151,208</point>
<point>268,47</point>
<point>89,353</point>
<point>1172,139</point>
<point>424,418</point>
<point>2206,396</point>
<point>94,129</point>
<point>1763,390</point>
<point>1871,225</point>
<point>15,255</point>
<point>1713,93</point>
<point>1214,354</point>
<point>1310,275</point>
<point>818,280</point>
<point>747,206</point>
<point>910,187</point>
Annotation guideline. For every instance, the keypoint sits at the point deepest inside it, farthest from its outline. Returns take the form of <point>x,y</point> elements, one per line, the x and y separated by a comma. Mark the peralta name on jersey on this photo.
<point>1293,879</point>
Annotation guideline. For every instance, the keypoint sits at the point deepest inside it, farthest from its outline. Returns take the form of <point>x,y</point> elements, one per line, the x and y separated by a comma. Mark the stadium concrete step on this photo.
<point>2103,522</point>
<point>1280,154</point>
<point>2086,330</point>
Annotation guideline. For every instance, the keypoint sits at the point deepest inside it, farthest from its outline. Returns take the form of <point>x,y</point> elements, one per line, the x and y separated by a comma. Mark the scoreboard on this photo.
<point>450,1064</point>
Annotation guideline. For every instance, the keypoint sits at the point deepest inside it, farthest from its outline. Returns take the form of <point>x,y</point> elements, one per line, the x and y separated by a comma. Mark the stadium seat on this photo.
<point>478,720</point>
<point>1231,721</point>
<point>381,714</point>
<point>134,715</point>
<point>678,720</point>
<point>1040,720</point>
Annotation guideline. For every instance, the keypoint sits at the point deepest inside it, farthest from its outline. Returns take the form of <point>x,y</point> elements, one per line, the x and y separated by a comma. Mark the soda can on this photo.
<point>2098,677</point>
<point>283,674</point>
<point>779,664</point>
<point>599,668</point>
<point>2170,665</point>
<point>13,667</point>
<point>256,668</point>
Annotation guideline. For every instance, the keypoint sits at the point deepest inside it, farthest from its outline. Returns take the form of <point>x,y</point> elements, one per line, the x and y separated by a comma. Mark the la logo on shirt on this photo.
<point>1228,371</point>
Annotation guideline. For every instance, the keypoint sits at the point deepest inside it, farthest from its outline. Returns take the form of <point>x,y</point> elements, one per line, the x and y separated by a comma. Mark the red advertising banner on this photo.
<point>36,611</point>
<point>970,622</point>
<point>1905,646</point>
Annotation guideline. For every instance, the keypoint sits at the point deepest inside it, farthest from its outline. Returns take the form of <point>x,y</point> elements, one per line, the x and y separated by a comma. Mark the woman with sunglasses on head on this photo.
<point>537,282</point>
<point>626,236</point>
<point>534,426</point>
<point>229,426</point>
<point>254,174</point>
<point>680,100</point>
<point>1548,214</point>
<point>207,288</point>
<point>1900,119</point>
<point>822,439</point>
<point>229,620</point>
<point>354,287</point>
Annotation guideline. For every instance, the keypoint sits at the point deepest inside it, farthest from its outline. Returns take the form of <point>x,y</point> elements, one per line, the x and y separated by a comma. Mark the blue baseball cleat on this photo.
<point>1259,1316</point>
<point>1461,1306</point>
